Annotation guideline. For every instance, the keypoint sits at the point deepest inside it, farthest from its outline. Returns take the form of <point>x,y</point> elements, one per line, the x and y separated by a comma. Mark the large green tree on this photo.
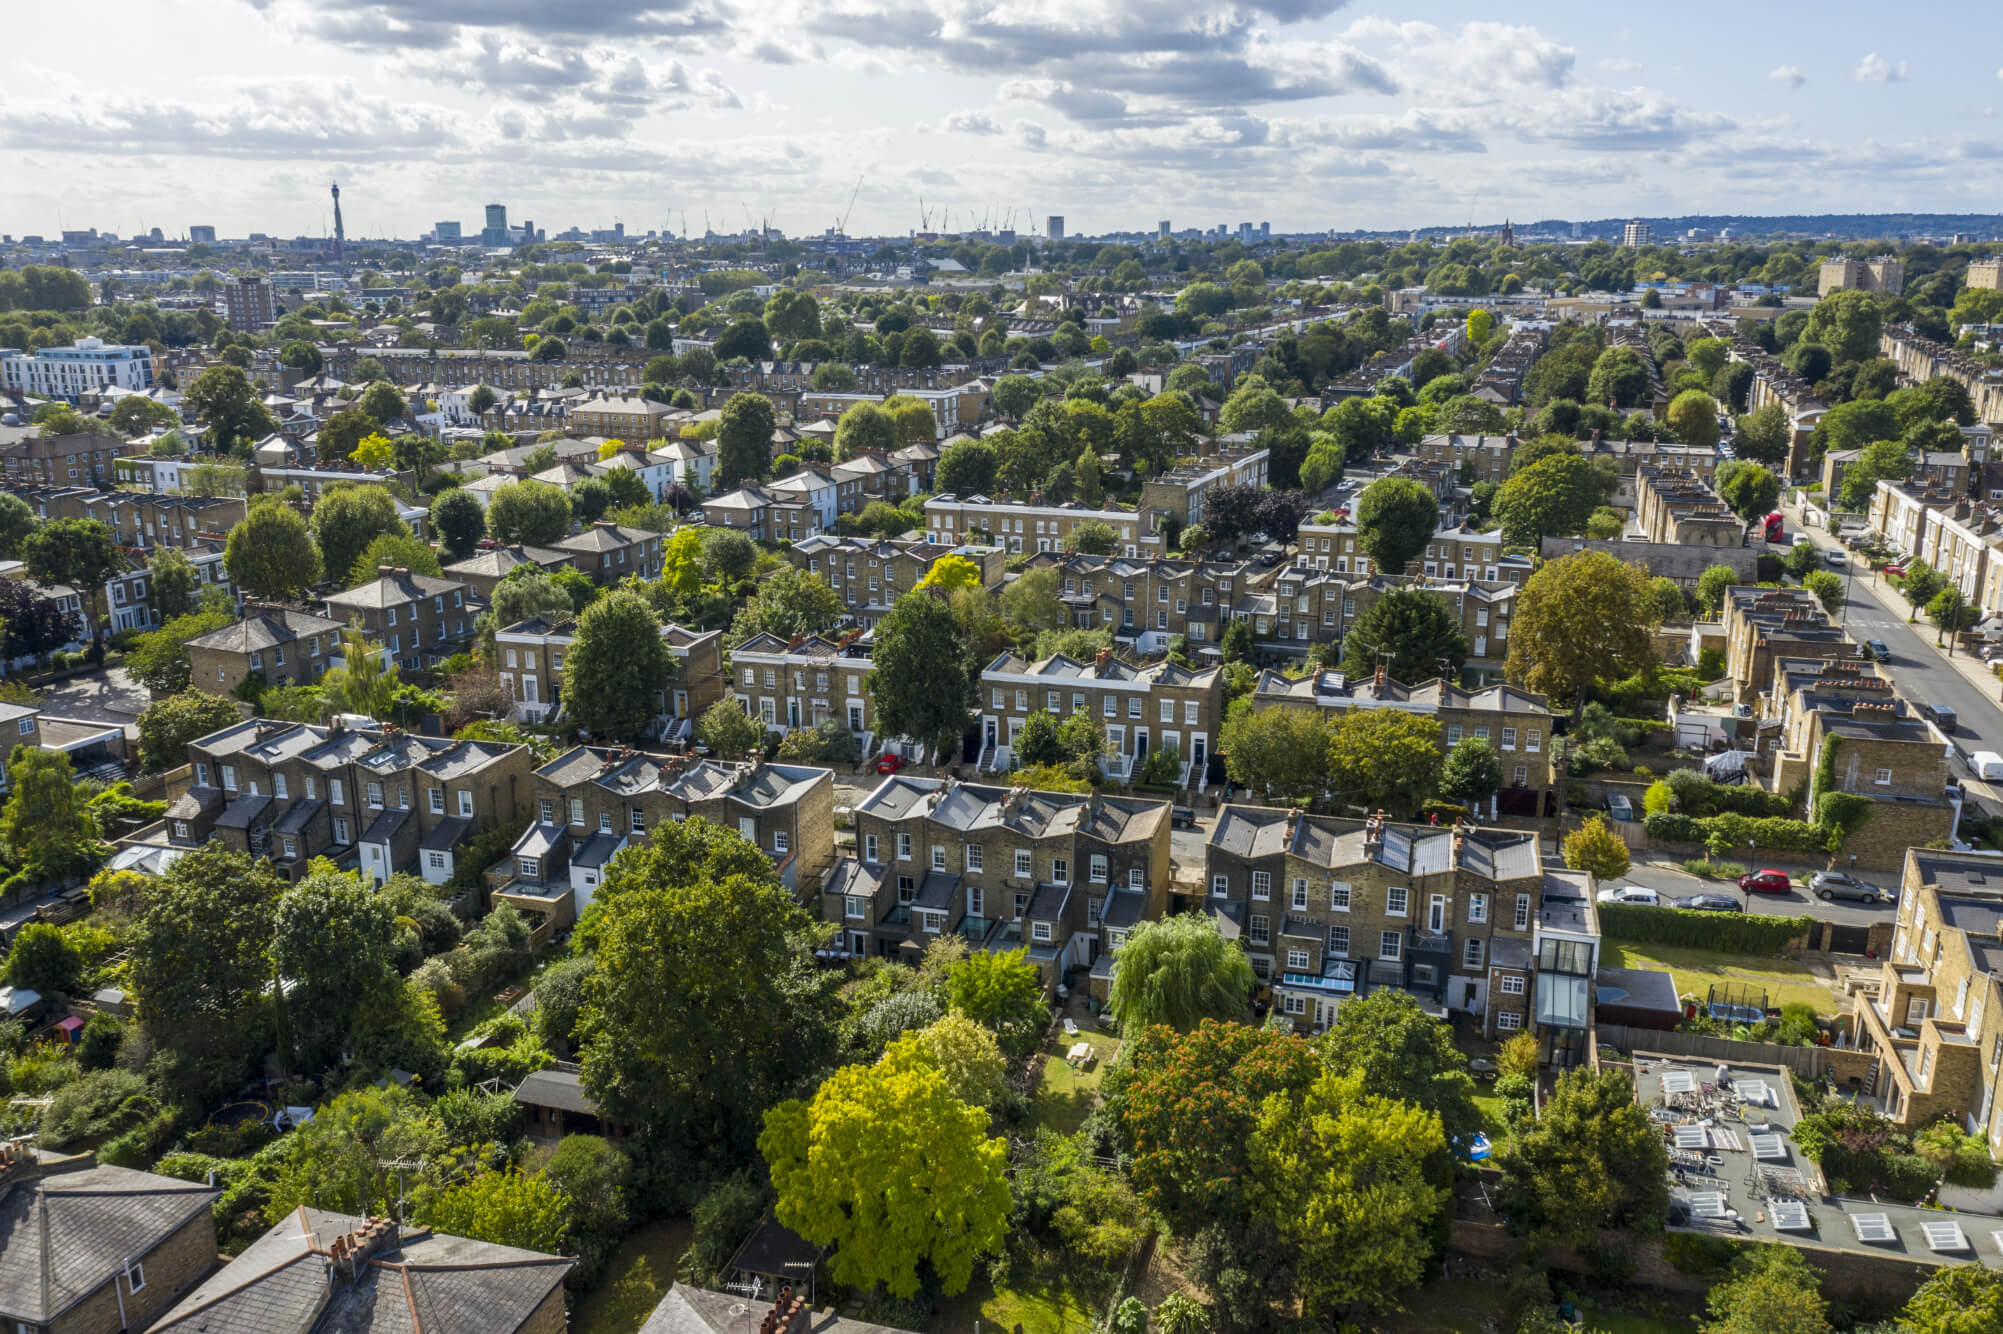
<point>1400,1052</point>
<point>168,724</point>
<point>44,827</point>
<point>866,426</point>
<point>1384,759</point>
<point>223,398</point>
<point>617,669</point>
<point>744,441</point>
<point>346,520</point>
<point>1415,625</point>
<point>1551,498</point>
<point>1179,971</point>
<point>1773,1290</point>
<point>459,522</point>
<point>1887,460</point>
<point>1693,415</point>
<point>1592,1161</point>
<point>1619,379</point>
<point>1580,619</point>
<point>1749,488</point>
<point>1001,991</point>
<point>1277,753</point>
<point>935,1194</point>
<point>77,552</point>
<point>1763,435</point>
<point>17,521</point>
<point>1847,323</point>
<point>1395,519</point>
<point>158,660</point>
<point>916,695</point>
<point>1471,773</point>
<point>532,513</point>
<point>791,602</point>
<point>1958,1299</point>
<point>332,940</point>
<point>271,555</point>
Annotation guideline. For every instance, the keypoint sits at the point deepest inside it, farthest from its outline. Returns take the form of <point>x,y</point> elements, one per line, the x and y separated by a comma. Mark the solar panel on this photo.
<point>1756,1092</point>
<point>1790,1216</point>
<point>1725,1139</point>
<point>1691,1137</point>
<point>1770,1147</point>
<point>1873,1227</point>
<point>1944,1235</point>
<point>1707,1204</point>
<point>1678,1081</point>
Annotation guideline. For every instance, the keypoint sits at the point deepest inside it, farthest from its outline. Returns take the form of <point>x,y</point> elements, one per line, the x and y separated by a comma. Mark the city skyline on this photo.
<point>1310,115</point>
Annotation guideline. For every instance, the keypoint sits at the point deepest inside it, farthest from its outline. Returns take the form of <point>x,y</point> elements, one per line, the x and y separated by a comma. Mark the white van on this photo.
<point>1986,763</point>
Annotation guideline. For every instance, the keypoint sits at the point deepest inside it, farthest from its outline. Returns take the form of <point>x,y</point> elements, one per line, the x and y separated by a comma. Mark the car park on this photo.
<point>1831,885</point>
<point>1636,895</point>
<point>1766,881</point>
<point>1710,903</point>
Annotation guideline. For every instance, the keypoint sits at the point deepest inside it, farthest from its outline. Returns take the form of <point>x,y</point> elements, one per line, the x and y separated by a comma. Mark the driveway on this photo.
<point>109,696</point>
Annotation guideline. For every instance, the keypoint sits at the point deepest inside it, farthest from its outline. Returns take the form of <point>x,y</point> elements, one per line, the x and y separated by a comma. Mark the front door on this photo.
<point>1140,744</point>
<point>792,713</point>
<point>858,943</point>
<point>1196,754</point>
<point>988,730</point>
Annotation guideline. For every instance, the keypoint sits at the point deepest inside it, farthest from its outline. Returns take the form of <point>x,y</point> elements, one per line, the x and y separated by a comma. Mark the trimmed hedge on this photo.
<point>1772,832</point>
<point>1722,933</point>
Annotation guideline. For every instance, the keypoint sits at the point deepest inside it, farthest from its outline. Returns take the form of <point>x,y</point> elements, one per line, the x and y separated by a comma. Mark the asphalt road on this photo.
<point>1671,882</point>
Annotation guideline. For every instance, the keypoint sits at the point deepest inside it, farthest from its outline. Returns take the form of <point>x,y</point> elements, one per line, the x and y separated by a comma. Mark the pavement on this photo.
<point>108,696</point>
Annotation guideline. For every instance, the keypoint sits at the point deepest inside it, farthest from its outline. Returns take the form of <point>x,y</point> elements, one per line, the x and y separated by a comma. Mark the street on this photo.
<point>1672,881</point>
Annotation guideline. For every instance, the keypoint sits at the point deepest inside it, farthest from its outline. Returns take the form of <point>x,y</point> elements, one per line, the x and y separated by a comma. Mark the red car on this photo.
<point>1768,881</point>
<point>889,763</point>
<point>1895,571</point>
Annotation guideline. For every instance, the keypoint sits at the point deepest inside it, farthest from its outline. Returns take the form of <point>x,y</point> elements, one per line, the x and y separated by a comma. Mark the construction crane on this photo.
<point>841,224</point>
<point>924,215</point>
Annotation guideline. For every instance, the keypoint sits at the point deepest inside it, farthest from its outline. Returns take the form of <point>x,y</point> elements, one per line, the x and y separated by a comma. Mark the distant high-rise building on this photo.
<point>496,230</point>
<point>1884,274</point>
<point>340,233</point>
<point>1053,227</point>
<point>1637,234</point>
<point>1578,230</point>
<point>1986,273</point>
<point>249,305</point>
<point>1244,231</point>
<point>445,233</point>
<point>1162,227</point>
<point>1265,231</point>
<point>203,235</point>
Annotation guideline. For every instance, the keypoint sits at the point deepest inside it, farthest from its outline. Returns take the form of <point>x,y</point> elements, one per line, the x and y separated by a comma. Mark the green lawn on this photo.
<point>1066,1096</point>
<point>1695,970</point>
<point>1057,1307</point>
<point>639,1276</point>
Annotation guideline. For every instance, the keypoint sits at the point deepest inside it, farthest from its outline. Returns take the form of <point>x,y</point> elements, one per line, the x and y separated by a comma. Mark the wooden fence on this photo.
<point>1808,1062</point>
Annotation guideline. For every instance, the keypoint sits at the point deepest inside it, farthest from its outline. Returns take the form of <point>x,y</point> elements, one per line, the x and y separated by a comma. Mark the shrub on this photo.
<point>1518,1056</point>
<point>721,1220</point>
<point>1725,933</point>
<point>1692,1253</point>
<point>1797,1025</point>
<point>1714,870</point>
<point>102,1103</point>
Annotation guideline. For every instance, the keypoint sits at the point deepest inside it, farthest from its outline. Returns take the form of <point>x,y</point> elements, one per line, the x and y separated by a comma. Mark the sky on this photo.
<point>1115,114</point>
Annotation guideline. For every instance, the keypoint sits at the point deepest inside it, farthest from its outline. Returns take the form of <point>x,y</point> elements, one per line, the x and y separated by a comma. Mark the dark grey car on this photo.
<point>1711,903</point>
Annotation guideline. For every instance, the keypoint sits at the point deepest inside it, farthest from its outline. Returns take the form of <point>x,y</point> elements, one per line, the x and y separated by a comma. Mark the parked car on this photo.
<point>1638,895</point>
<point>1939,715</point>
<point>1711,903</point>
<point>1831,885</point>
<point>889,762</point>
<point>1895,570</point>
<point>1833,557</point>
<point>1766,881</point>
<point>1879,652</point>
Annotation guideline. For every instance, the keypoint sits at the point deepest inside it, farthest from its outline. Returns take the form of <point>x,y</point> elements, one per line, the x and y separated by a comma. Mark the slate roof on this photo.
<point>265,630</point>
<point>62,1237</point>
<point>555,1088</point>
<point>448,834</point>
<point>687,1310</point>
<point>393,590</point>
<point>497,561</point>
<point>426,1284</point>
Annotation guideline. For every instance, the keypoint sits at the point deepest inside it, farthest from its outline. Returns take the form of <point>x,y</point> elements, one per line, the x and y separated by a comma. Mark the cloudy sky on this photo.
<point>1114,113</point>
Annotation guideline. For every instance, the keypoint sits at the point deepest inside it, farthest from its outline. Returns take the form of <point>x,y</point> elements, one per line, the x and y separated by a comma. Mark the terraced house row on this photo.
<point>1159,706</point>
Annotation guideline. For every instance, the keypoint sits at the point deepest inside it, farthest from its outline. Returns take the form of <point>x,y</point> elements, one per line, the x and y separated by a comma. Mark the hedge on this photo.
<point>1721,933</point>
<point>1772,832</point>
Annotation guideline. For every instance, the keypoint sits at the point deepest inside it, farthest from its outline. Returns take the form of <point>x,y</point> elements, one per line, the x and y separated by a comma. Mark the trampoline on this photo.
<point>234,1115</point>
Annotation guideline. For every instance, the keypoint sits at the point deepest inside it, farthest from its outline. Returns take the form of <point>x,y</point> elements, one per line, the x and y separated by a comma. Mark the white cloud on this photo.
<point>1874,68</point>
<point>1787,76</point>
<point>971,122</point>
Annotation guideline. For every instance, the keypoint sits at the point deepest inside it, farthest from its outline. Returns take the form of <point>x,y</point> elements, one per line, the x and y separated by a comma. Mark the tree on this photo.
<point>365,682</point>
<point>374,452</point>
<point>175,582</point>
<point>1693,415</point>
<point>1847,323</point>
<point>136,412</point>
<point>1763,435</point>
<point>1092,538</point>
<point>17,522</point>
<point>1711,586</point>
<point>915,698</point>
<point>1215,1078</point>
<point>1773,1290</point>
<point>728,731</point>
<point>343,432</point>
<point>398,551</point>
<point>223,398</point>
<point>1277,753</point>
<point>158,660</point>
<point>1670,604</point>
<point>617,669</point>
<point>1750,489</point>
<point>42,959</point>
<point>1179,971</point>
<point>1592,1161</point>
<point>1471,773</point>
<point>1887,460</point>
<point>77,552</point>
<point>1579,619</point>
<point>949,574</point>
<point>728,555</point>
<point>1619,379</point>
<point>1856,424</point>
<point>480,400</point>
<point>1395,518</point>
<point>1948,610</point>
<point>506,1208</point>
<point>166,726</point>
<point>790,602</point>
<point>1594,847</point>
<point>865,427</point>
<point>967,1056</point>
<point>1032,601</point>
<point>45,828</point>
<point>1551,498</point>
<point>332,939</point>
<point>532,513</point>
<point>938,1196</point>
<point>1958,1299</point>
<point>523,596</point>
<point>1827,586</point>
<point>1424,638</point>
<point>1354,1180</point>
<point>201,962</point>
<point>347,519</point>
<point>459,522</point>
<point>744,441</point>
<point>1001,991</point>
<point>1384,758</point>
<point>705,1007</point>
<point>791,314</point>
<point>34,625</point>
<point>967,468</point>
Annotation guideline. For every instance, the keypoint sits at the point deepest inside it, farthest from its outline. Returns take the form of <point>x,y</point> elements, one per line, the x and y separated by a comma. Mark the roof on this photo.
<point>421,1283</point>
<point>687,1310</point>
<point>393,590</point>
<point>62,1237</point>
<point>447,835</point>
<point>555,1088</point>
<point>264,630</point>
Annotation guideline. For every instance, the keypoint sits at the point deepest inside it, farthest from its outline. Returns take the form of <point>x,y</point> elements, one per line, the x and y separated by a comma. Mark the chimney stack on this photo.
<point>1099,660</point>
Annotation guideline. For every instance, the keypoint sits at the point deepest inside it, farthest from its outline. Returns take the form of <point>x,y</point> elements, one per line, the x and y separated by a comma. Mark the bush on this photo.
<point>1724,933</point>
<point>102,1103</point>
<point>721,1220</point>
<point>1711,869</point>
<point>1692,1253</point>
<point>1797,1025</point>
